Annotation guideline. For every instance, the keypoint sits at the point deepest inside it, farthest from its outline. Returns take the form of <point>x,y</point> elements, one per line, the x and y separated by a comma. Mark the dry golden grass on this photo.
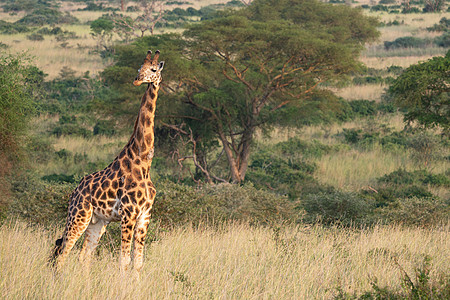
<point>51,56</point>
<point>385,62</point>
<point>353,169</point>
<point>368,92</point>
<point>236,262</point>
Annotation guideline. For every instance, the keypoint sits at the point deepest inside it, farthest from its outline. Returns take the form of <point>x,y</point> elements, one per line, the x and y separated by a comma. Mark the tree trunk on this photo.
<point>234,168</point>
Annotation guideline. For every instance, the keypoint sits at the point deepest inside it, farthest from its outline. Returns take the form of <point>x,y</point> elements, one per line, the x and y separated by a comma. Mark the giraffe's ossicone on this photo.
<point>123,191</point>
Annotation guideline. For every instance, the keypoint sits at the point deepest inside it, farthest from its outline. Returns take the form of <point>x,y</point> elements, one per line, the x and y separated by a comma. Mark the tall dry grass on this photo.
<point>235,262</point>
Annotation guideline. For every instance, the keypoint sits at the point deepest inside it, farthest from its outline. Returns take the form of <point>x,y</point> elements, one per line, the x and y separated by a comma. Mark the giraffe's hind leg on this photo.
<point>94,232</point>
<point>78,219</point>
<point>140,232</point>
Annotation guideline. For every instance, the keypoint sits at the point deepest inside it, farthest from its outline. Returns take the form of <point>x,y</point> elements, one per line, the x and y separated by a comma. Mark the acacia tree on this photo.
<point>424,91</point>
<point>152,12</point>
<point>257,62</point>
<point>250,69</point>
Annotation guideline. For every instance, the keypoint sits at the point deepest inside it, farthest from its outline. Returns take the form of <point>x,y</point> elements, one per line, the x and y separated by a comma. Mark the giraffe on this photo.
<point>122,191</point>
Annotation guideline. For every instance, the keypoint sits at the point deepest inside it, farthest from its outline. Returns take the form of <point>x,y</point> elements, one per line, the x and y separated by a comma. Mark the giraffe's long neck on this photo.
<point>143,137</point>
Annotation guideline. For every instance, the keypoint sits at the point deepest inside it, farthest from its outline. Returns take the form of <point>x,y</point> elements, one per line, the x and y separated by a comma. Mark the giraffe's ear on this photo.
<point>161,65</point>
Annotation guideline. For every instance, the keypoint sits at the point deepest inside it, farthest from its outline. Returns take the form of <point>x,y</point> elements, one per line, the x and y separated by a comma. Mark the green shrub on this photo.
<point>406,42</point>
<point>46,16</point>
<point>368,80</point>
<point>443,25</point>
<point>177,204</point>
<point>35,37</point>
<point>337,207</point>
<point>60,178</point>
<point>364,108</point>
<point>104,127</point>
<point>379,7</point>
<point>283,172</point>
<point>403,177</point>
<point>39,201</point>
<point>396,70</point>
<point>12,28</point>
<point>443,40</point>
<point>417,211</point>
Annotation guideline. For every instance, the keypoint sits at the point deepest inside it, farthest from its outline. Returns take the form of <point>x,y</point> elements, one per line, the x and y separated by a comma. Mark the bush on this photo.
<point>444,25</point>
<point>396,70</point>
<point>60,178</point>
<point>35,37</point>
<point>283,174</point>
<point>363,108</point>
<point>379,7</point>
<point>68,125</point>
<point>443,40</point>
<point>46,16</point>
<point>177,204</point>
<point>417,211</point>
<point>337,208</point>
<point>418,177</point>
<point>104,127</point>
<point>406,42</point>
<point>12,28</point>
<point>40,202</point>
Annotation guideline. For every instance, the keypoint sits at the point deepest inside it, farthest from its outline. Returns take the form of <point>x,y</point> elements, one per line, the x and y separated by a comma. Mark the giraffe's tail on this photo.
<point>56,252</point>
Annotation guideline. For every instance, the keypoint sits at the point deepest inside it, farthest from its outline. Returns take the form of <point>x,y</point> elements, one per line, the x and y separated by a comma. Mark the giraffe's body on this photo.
<point>123,190</point>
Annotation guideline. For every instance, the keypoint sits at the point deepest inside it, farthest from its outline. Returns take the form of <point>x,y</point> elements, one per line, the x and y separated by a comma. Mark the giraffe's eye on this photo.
<point>153,70</point>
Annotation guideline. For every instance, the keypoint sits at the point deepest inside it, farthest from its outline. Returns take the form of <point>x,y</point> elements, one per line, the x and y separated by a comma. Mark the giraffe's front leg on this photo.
<point>128,222</point>
<point>140,232</point>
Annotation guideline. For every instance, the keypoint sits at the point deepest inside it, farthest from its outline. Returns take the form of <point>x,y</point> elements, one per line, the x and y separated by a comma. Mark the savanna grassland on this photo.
<point>232,262</point>
<point>350,203</point>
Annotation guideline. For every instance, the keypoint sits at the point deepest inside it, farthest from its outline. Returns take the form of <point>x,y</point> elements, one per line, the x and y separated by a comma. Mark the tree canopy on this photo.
<point>424,91</point>
<point>247,69</point>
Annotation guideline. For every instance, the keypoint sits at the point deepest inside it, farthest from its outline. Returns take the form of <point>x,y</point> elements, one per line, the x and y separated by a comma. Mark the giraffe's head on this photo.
<point>150,71</point>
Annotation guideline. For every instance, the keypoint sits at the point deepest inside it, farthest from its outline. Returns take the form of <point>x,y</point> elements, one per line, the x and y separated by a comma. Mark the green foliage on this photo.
<point>104,127</point>
<point>314,42</point>
<point>41,16</point>
<point>92,6</point>
<point>70,125</point>
<point>19,85</point>
<point>38,201</point>
<point>336,207</point>
<point>178,204</point>
<point>443,40</point>
<point>406,42</point>
<point>285,169</point>
<point>35,37</point>
<point>24,5</point>
<point>60,178</point>
<point>416,211</point>
<point>444,25</point>
<point>12,28</point>
<point>423,90</point>
<point>423,177</point>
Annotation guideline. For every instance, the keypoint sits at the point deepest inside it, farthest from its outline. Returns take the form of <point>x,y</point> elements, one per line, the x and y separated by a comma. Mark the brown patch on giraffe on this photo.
<point>149,138</point>
<point>105,184</point>
<point>111,194</point>
<point>115,184</point>
<point>126,164</point>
